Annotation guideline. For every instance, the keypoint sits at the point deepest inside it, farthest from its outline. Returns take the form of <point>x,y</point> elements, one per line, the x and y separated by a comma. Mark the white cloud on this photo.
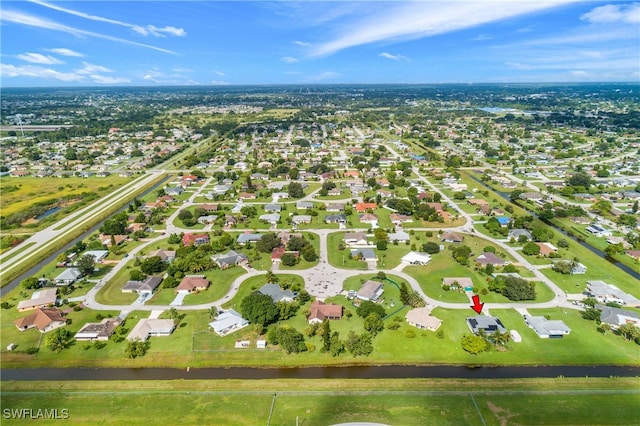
<point>8,70</point>
<point>613,13</point>
<point>302,43</point>
<point>220,73</point>
<point>92,69</point>
<point>413,20</point>
<point>578,73</point>
<point>65,52</point>
<point>103,79</point>
<point>393,57</point>
<point>482,37</point>
<point>289,60</point>
<point>35,21</point>
<point>140,29</point>
<point>218,83</point>
<point>38,58</point>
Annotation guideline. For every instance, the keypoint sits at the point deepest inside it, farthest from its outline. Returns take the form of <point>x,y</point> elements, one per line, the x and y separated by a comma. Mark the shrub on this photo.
<point>410,333</point>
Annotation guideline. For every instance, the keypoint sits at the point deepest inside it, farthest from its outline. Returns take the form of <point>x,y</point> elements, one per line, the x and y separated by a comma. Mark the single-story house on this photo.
<point>192,284</point>
<point>228,322</point>
<point>367,254</point>
<point>397,219</point>
<point>416,258</point>
<point>458,283</point>
<point>68,276</point>
<point>335,207</point>
<point>545,328</point>
<point>547,248</point>
<point>400,236</point>
<point>335,218</point>
<point>276,293</point>
<point>355,238</point>
<point>231,258</point>
<point>278,252</point>
<point>147,327</point>
<point>488,258</point>
<point>370,290</point>
<point>517,233</point>
<point>39,299</point>
<point>301,218</point>
<point>451,237</point>
<point>369,218</point>
<point>174,191</point>
<point>422,319</point>
<point>635,254</point>
<point>302,205</point>
<point>616,317</point>
<point>195,239</point>
<point>271,218</point>
<point>147,286</point>
<point>98,255</point>
<point>489,325</point>
<point>207,219</point>
<point>44,319</point>
<point>599,231</point>
<point>209,207</point>
<point>272,208</point>
<point>165,255</point>
<point>321,311</point>
<point>248,238</point>
<point>605,293</point>
<point>92,331</point>
<point>363,207</point>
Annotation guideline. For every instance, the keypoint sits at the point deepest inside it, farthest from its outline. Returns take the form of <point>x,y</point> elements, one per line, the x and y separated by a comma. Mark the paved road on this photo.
<point>50,236</point>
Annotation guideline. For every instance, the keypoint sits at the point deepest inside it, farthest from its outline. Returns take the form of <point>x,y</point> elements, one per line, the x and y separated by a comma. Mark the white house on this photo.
<point>228,322</point>
<point>416,258</point>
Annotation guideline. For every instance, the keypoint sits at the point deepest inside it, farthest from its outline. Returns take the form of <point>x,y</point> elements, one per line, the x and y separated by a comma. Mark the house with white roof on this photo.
<point>228,322</point>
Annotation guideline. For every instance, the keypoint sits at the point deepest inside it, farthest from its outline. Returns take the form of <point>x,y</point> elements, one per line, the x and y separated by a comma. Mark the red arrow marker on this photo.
<point>477,306</point>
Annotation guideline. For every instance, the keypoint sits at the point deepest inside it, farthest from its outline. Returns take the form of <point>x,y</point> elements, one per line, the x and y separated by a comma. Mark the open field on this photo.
<point>31,190</point>
<point>282,402</point>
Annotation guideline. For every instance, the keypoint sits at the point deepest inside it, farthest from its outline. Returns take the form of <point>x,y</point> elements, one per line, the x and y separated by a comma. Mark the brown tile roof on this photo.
<point>193,283</point>
<point>40,318</point>
<point>320,311</point>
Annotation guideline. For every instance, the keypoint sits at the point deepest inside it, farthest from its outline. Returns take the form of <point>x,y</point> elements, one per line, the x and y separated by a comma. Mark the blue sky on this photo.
<point>98,43</point>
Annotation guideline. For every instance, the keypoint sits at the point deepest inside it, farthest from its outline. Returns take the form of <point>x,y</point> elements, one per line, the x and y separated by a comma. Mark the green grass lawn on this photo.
<point>111,293</point>
<point>331,401</point>
<point>220,283</point>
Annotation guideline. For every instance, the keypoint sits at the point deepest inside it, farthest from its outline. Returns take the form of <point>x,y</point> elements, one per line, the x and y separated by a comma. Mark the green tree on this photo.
<point>359,345</point>
<point>629,331</point>
<point>474,344</point>
<point>531,249</point>
<point>152,264</point>
<point>268,242</point>
<point>295,190</point>
<point>289,259</point>
<point>136,348</point>
<point>326,335</point>
<point>431,247</point>
<point>336,345</point>
<point>259,309</point>
<point>367,307</point>
<point>30,283</point>
<point>58,339</point>
<point>373,323</point>
<point>86,264</point>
